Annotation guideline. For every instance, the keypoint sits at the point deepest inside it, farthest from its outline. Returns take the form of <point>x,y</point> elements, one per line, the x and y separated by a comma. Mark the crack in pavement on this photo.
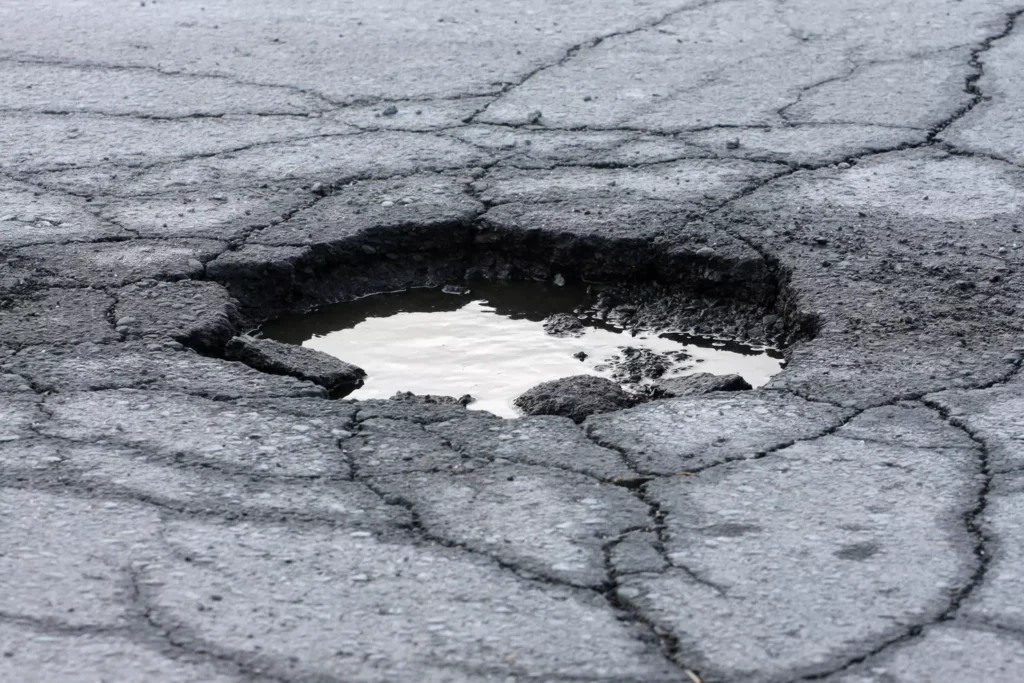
<point>10,58</point>
<point>582,46</point>
<point>972,522</point>
<point>183,641</point>
<point>607,590</point>
<point>170,507</point>
<point>971,86</point>
<point>331,105</point>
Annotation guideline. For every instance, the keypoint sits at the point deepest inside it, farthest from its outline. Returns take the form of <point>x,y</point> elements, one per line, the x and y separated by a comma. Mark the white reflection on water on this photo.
<point>473,350</point>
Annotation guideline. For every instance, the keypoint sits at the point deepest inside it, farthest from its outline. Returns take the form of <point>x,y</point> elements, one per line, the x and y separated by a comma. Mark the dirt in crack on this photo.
<point>495,340</point>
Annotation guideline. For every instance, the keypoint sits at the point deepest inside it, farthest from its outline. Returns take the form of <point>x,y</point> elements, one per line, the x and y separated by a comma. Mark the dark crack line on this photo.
<point>625,129</point>
<point>359,103</point>
<point>189,646</point>
<point>576,49</point>
<point>658,516</point>
<point>865,124</point>
<point>970,86</point>
<point>10,58</point>
<point>976,63</point>
<point>682,131</point>
<point>140,116</point>
<point>727,461</point>
<point>330,103</point>
<point>607,590</point>
<point>421,528</point>
<point>137,171</point>
<point>199,463</point>
<point>986,626</point>
<point>40,188</point>
<point>55,627</point>
<point>623,165</point>
<point>668,642</point>
<point>141,168</point>
<point>973,521</point>
<point>854,67</point>
<point>148,636</point>
<point>960,151</point>
<point>783,112</point>
<point>185,639</point>
<point>66,479</point>
<point>532,462</point>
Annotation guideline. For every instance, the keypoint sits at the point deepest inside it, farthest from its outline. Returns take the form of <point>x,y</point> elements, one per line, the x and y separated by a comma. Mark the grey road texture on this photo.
<point>172,172</point>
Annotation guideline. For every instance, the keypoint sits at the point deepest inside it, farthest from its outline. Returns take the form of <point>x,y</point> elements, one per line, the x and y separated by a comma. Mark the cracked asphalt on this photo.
<point>173,173</point>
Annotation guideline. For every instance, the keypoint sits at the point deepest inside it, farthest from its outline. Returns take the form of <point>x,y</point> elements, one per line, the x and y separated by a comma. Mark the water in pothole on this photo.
<point>491,343</point>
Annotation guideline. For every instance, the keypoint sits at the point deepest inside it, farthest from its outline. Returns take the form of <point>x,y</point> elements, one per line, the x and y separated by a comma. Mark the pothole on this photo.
<point>495,340</point>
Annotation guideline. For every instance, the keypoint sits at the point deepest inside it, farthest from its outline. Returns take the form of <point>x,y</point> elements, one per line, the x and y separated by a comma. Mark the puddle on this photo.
<point>491,344</point>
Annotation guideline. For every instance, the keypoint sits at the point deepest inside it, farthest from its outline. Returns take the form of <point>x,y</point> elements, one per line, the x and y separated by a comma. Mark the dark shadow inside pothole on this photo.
<point>496,340</point>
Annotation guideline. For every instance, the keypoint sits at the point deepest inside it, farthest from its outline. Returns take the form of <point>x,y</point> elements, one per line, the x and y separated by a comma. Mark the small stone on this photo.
<point>574,397</point>
<point>587,98</point>
<point>733,144</point>
<point>559,280</point>
<point>195,266</point>
<point>822,241</point>
<point>705,252</point>
<point>964,284</point>
<point>580,355</point>
<point>335,375</point>
<point>702,383</point>
<point>387,203</point>
<point>534,117</point>
<point>124,320</point>
<point>318,188</point>
<point>390,111</point>
<point>631,482</point>
<point>456,290</point>
<point>563,325</point>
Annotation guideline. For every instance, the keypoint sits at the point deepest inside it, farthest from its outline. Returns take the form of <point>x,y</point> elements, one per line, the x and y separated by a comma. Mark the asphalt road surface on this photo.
<point>172,172</point>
